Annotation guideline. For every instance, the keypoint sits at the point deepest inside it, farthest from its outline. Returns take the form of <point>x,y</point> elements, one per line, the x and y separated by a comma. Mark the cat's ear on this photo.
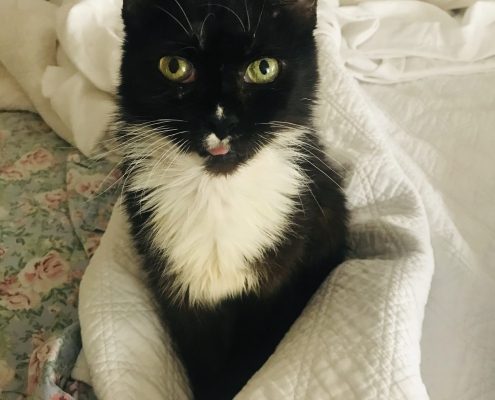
<point>133,11</point>
<point>303,10</point>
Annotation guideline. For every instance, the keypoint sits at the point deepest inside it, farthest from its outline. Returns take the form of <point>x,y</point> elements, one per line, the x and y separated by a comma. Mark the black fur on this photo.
<point>222,346</point>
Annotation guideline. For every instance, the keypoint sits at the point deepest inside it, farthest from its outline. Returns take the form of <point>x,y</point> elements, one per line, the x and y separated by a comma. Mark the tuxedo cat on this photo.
<point>234,208</point>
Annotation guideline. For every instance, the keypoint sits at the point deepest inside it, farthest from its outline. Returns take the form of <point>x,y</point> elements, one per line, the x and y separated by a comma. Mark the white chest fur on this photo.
<point>212,228</point>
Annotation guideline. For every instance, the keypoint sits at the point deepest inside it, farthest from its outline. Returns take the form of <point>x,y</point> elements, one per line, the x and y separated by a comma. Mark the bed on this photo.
<point>416,137</point>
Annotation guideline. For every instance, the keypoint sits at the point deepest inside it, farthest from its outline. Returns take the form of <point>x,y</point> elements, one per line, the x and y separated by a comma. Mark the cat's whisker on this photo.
<point>314,197</point>
<point>305,147</point>
<point>99,194</point>
<point>185,15</point>
<point>132,138</point>
<point>149,125</point>
<point>175,19</point>
<point>259,19</point>
<point>121,146</point>
<point>324,173</point>
<point>290,125</point>
<point>163,156</point>
<point>230,10</point>
<point>178,148</point>
<point>154,124</point>
<point>340,164</point>
<point>136,163</point>
<point>116,142</point>
<point>146,119</point>
<point>203,24</point>
<point>247,15</point>
<point>293,124</point>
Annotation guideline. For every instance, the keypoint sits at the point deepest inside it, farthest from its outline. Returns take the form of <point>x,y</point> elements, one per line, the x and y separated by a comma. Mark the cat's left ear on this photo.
<point>305,10</point>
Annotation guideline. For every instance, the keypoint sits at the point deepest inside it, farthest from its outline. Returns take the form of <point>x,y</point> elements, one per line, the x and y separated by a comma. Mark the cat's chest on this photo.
<point>213,228</point>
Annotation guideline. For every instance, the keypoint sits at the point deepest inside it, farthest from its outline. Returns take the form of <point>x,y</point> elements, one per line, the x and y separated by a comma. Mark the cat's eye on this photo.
<point>177,69</point>
<point>264,70</point>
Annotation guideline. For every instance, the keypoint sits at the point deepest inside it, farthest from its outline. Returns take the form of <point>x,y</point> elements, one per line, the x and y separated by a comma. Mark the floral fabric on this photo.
<point>54,207</point>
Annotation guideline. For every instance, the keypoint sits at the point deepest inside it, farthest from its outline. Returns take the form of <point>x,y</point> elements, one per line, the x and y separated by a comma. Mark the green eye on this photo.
<point>264,70</point>
<point>177,69</point>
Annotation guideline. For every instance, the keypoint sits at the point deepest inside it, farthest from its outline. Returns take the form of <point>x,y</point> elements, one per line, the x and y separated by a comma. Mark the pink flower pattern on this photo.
<point>13,296</point>
<point>52,199</point>
<point>45,273</point>
<point>85,185</point>
<point>12,173</point>
<point>36,160</point>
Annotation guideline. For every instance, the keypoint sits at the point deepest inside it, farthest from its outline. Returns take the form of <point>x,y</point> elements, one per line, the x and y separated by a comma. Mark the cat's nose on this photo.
<point>222,123</point>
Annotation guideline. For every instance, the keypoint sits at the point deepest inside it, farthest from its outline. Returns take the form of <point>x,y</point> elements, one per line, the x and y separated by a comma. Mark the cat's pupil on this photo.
<point>173,65</point>
<point>264,67</point>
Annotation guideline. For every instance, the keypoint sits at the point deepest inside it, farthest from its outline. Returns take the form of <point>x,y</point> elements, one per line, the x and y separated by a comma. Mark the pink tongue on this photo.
<point>219,150</point>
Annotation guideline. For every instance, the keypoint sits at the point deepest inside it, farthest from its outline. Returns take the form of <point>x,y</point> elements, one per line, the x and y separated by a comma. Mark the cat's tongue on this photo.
<point>219,150</point>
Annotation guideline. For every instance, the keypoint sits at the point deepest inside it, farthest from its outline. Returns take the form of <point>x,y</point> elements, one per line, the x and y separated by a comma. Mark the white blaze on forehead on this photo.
<point>219,112</point>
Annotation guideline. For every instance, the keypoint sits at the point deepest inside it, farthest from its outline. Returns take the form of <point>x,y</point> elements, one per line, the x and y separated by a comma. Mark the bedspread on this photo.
<point>53,210</point>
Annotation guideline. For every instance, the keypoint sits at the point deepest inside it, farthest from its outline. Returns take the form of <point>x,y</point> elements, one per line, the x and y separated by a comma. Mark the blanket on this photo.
<point>360,335</point>
<point>390,41</point>
<point>444,126</point>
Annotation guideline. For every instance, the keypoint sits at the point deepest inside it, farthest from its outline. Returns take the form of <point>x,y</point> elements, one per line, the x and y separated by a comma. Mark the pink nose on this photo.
<point>219,150</point>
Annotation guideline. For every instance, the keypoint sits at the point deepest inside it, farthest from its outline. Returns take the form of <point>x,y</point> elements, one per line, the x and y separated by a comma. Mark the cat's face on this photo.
<point>219,79</point>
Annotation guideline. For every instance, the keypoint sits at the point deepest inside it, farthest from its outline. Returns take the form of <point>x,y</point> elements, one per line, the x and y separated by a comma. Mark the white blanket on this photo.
<point>395,41</point>
<point>360,336</point>
<point>446,127</point>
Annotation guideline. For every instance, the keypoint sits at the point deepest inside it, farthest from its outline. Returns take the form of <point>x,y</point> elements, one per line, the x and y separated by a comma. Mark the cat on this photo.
<point>233,206</point>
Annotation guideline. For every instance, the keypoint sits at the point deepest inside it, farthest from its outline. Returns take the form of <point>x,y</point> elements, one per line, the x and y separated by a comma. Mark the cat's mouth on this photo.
<point>216,147</point>
<point>220,156</point>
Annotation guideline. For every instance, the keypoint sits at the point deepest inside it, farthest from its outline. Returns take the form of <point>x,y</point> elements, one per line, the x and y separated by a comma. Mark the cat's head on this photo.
<point>218,79</point>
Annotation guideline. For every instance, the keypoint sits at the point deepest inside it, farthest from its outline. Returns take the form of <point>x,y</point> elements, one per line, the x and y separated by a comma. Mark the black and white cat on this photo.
<point>236,212</point>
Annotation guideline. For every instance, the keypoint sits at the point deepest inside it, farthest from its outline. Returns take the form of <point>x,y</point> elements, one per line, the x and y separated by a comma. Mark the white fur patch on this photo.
<point>219,112</point>
<point>212,228</point>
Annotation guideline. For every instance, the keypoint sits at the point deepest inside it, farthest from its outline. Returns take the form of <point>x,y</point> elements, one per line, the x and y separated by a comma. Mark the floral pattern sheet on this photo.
<point>54,207</point>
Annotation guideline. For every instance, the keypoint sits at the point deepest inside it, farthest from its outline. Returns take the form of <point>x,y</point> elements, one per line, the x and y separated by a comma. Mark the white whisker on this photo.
<point>185,15</point>
<point>259,19</point>
<point>203,24</point>
<point>231,11</point>
<point>247,14</point>
<point>175,19</point>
